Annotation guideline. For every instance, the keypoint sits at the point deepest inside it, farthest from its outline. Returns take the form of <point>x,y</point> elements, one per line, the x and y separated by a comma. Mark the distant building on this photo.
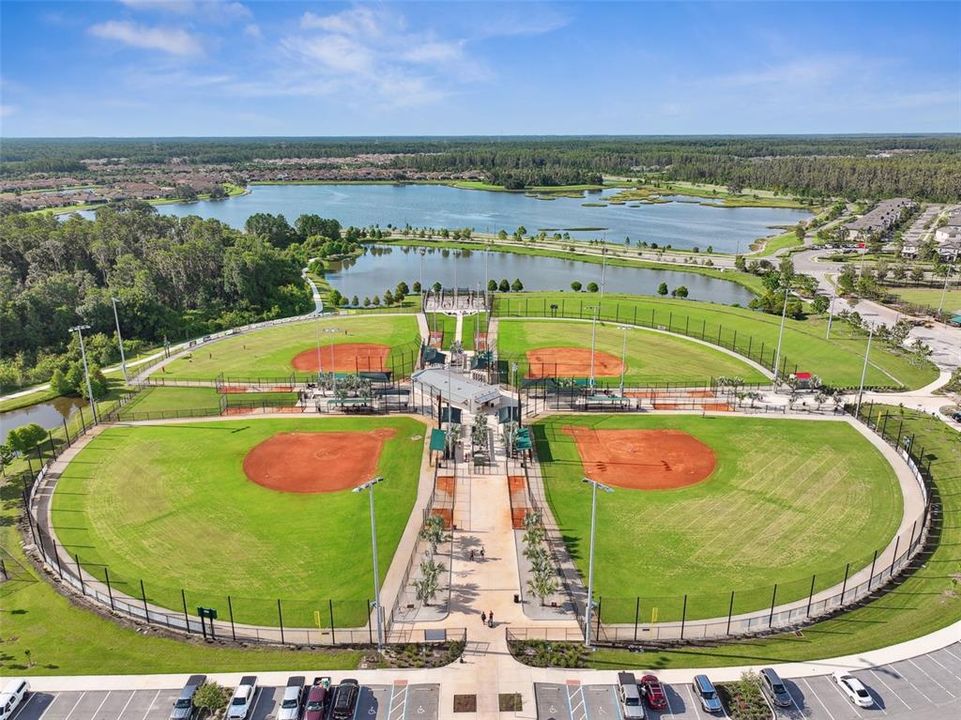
<point>879,220</point>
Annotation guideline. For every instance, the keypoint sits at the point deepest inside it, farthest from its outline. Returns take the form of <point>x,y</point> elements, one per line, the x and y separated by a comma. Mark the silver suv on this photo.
<point>630,696</point>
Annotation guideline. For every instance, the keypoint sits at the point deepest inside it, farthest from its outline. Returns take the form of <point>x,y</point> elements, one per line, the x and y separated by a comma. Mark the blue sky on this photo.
<point>194,67</point>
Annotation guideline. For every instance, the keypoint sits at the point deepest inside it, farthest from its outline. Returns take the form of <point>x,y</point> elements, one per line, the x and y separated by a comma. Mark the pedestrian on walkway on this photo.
<point>482,552</point>
<point>490,619</point>
<point>483,618</point>
<point>472,555</point>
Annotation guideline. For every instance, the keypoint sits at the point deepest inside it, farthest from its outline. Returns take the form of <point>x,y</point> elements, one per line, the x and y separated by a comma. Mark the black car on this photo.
<point>774,689</point>
<point>345,700</point>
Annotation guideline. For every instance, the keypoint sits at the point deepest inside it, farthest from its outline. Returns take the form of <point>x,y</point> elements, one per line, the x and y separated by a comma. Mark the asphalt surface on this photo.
<point>376,702</point>
<point>924,688</point>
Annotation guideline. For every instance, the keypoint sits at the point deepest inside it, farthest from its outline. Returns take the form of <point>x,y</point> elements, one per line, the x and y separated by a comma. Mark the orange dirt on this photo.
<point>233,388</point>
<point>445,483</point>
<point>345,357</point>
<point>517,518</point>
<point>446,514</point>
<point>571,362</point>
<point>238,411</point>
<point>643,459</point>
<point>312,462</point>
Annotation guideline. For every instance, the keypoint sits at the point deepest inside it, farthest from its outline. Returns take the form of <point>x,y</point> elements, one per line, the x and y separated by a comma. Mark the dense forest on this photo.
<point>862,166</point>
<point>173,278</point>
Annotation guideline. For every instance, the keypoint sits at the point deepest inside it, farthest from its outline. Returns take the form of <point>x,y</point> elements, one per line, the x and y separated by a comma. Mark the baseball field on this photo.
<point>706,505</point>
<point>556,348</point>
<point>259,510</point>
<point>347,344</point>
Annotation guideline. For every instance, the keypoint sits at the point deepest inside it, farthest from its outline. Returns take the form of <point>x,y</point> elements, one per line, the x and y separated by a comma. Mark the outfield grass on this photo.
<point>927,599</point>
<point>171,505</point>
<point>269,352</point>
<point>447,323</point>
<point>651,357</point>
<point>788,499</point>
<point>173,399</point>
<point>837,361</point>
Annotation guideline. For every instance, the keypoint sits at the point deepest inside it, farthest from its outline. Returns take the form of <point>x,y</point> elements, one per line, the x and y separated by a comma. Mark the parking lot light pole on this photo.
<point>589,605</point>
<point>864,372</point>
<point>593,342</point>
<point>780,336</point>
<point>625,328</point>
<point>116,319</point>
<point>86,371</point>
<point>369,485</point>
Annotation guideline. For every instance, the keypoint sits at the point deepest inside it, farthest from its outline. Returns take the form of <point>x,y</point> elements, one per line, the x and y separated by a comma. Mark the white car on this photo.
<point>853,689</point>
<point>243,698</point>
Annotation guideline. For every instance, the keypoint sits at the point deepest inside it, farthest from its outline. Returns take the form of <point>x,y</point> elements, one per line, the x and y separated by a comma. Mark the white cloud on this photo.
<point>334,52</point>
<point>212,9</point>
<point>434,52</point>
<point>252,30</point>
<point>175,41</point>
<point>181,7</point>
<point>7,110</point>
<point>356,21</point>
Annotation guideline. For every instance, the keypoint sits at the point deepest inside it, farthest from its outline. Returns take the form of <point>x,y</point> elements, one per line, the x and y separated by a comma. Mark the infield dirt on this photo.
<point>343,357</point>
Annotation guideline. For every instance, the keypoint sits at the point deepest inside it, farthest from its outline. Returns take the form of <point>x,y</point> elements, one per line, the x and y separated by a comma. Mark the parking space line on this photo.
<point>102,703</point>
<point>258,696</point>
<point>890,689</point>
<point>126,704</point>
<point>844,697</point>
<point>573,691</point>
<point>916,688</point>
<point>815,696</point>
<point>667,697</point>
<point>150,707</point>
<point>398,691</point>
<point>930,656</point>
<point>52,703</point>
<point>77,703</point>
<point>951,654</point>
<point>24,706</point>
<point>793,701</point>
<point>690,696</point>
<point>931,677</point>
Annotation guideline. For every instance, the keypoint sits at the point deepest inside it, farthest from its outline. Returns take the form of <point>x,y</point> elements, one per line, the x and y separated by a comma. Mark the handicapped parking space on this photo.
<point>35,706</point>
<point>422,702</point>
<point>551,701</point>
<point>600,701</point>
<point>373,703</point>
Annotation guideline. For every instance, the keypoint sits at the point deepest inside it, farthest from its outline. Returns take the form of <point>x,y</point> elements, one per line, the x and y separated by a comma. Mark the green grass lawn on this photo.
<point>269,352</point>
<point>930,297</point>
<point>651,357</point>
<point>837,361</point>
<point>778,242</point>
<point>171,505</point>
<point>788,499</point>
<point>447,323</point>
<point>928,599</point>
<point>180,399</point>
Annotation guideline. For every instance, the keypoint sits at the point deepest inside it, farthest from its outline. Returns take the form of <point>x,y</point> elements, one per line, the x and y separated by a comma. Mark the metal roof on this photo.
<point>456,388</point>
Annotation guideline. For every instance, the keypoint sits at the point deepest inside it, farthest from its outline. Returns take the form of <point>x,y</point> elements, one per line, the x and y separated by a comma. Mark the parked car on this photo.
<point>853,689</point>
<point>184,708</point>
<point>293,699</point>
<point>774,689</point>
<point>12,697</point>
<point>629,696</point>
<point>653,692</point>
<point>243,698</point>
<point>317,698</point>
<point>707,694</point>
<point>345,700</point>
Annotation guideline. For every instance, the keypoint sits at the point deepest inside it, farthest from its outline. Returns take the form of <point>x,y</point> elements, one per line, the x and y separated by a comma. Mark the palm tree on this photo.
<point>542,585</point>
<point>433,532</point>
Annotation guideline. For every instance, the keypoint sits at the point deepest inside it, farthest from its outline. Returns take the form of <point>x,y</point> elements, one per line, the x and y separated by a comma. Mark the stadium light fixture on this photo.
<point>589,605</point>
<point>369,485</point>
<point>116,319</point>
<point>86,370</point>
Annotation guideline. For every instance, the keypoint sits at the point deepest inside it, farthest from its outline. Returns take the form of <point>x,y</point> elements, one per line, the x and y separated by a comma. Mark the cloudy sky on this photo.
<point>202,67</point>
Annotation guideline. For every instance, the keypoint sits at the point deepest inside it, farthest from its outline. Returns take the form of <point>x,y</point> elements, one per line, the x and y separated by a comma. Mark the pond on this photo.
<point>383,266</point>
<point>48,415</point>
<point>681,223</point>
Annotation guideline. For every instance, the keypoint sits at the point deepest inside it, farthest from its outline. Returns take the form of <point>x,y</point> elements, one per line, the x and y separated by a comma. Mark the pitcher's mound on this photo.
<point>345,358</point>
<point>314,462</point>
<point>643,459</point>
<point>571,362</point>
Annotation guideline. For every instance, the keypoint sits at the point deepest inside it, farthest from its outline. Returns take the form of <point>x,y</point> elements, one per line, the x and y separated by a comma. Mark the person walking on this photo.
<point>483,618</point>
<point>490,619</point>
<point>472,555</point>
<point>482,552</point>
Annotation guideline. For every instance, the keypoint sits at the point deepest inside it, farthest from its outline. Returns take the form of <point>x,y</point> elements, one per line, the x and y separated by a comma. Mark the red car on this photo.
<point>653,692</point>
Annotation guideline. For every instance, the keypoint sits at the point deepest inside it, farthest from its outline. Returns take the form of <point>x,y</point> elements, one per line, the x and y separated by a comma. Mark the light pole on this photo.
<point>590,563</point>
<point>116,319</point>
<point>944,290</point>
<point>780,336</point>
<point>369,485</point>
<point>827,336</point>
<point>593,341</point>
<point>864,371</point>
<point>625,328</point>
<point>86,371</point>
<point>320,363</point>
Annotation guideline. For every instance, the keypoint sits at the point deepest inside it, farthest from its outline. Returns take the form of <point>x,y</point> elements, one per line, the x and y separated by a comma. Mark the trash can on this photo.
<point>517,598</point>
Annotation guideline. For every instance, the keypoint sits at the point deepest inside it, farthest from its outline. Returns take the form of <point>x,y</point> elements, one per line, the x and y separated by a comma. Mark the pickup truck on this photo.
<point>242,700</point>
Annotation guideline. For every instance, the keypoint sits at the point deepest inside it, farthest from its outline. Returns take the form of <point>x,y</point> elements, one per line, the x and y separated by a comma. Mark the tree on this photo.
<point>662,289</point>
<point>433,532</point>
<point>388,297</point>
<point>740,263</point>
<point>366,301</point>
<point>402,289</point>
<point>542,585</point>
<point>576,286</point>
<point>272,228</point>
<point>504,285</point>
<point>211,697</point>
<point>517,285</point>
<point>26,437</point>
<point>820,304</point>
<point>592,287</point>
<point>376,300</point>
<point>437,287</point>
<point>680,291</point>
<point>491,286</point>
<point>354,301</point>
<point>417,287</point>
<point>428,584</point>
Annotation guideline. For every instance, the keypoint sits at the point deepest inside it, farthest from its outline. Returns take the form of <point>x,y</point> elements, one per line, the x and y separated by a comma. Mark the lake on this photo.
<point>383,266</point>
<point>682,223</point>
<point>48,415</point>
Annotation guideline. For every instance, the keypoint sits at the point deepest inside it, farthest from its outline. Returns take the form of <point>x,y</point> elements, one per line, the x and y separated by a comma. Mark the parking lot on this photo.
<point>926,688</point>
<point>376,702</point>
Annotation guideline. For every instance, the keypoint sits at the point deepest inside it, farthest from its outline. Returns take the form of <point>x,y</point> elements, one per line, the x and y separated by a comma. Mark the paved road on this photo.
<point>927,687</point>
<point>376,702</point>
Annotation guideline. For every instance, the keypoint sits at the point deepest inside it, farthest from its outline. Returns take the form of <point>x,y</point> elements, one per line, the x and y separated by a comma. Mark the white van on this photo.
<point>12,696</point>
